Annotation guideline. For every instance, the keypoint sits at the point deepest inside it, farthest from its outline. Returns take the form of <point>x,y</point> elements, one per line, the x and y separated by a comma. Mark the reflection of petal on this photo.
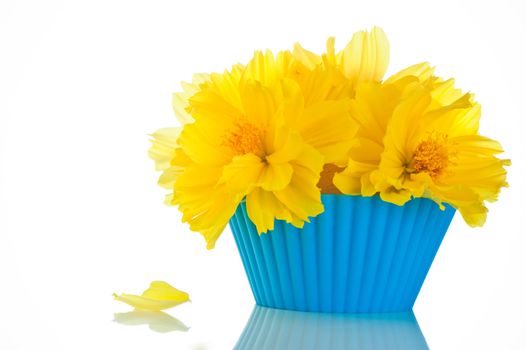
<point>280,329</point>
<point>157,320</point>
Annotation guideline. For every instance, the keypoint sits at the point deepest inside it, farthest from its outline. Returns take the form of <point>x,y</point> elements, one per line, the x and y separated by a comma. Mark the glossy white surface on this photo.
<point>81,217</point>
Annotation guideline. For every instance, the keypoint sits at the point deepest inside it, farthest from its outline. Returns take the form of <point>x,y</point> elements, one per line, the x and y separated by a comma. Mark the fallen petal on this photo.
<point>159,296</point>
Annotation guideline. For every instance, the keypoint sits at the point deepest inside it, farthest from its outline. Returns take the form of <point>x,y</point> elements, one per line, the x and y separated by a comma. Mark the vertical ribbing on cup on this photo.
<point>260,261</point>
<point>344,217</point>
<point>411,217</point>
<point>325,233</point>
<point>391,238</point>
<point>412,250</point>
<point>292,237</point>
<point>310,266</point>
<point>272,268</point>
<point>436,233</point>
<point>360,255</point>
<point>247,262</point>
<point>280,253</point>
<point>425,237</point>
<point>359,240</point>
<point>380,215</point>
<point>245,232</point>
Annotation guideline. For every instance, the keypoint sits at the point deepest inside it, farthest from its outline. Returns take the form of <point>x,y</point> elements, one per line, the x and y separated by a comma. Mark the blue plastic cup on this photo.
<point>361,255</point>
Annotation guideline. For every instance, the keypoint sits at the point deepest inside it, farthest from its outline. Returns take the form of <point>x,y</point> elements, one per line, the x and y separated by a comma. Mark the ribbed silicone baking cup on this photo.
<point>283,329</point>
<point>361,255</point>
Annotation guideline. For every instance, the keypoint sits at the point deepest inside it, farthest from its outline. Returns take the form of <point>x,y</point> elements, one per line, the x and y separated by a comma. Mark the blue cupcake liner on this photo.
<point>283,329</point>
<point>361,255</point>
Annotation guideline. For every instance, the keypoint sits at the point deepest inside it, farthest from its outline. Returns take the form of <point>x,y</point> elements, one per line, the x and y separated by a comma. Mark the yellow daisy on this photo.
<point>431,148</point>
<point>254,139</point>
<point>372,108</point>
<point>437,153</point>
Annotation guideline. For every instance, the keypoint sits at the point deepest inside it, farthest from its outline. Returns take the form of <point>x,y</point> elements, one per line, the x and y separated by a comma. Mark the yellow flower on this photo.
<point>258,142</point>
<point>437,153</point>
<point>159,296</point>
<point>372,109</point>
<point>420,139</point>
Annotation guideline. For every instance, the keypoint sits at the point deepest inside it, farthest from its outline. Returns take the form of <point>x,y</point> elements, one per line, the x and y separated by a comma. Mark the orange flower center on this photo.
<point>432,156</point>
<point>244,138</point>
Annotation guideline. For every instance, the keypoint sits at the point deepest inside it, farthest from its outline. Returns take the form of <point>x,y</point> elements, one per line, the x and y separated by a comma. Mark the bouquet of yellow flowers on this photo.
<point>281,138</point>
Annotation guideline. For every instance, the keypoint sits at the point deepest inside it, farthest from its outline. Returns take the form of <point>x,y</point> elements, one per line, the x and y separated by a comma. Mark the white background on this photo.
<point>83,83</point>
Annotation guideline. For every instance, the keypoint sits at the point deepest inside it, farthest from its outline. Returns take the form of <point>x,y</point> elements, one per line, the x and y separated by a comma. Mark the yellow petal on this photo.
<point>444,91</point>
<point>291,102</point>
<point>216,99</point>
<point>267,69</point>
<point>373,108</point>
<point>366,57</point>
<point>327,127</point>
<point>243,173</point>
<point>202,142</point>
<point>180,99</point>
<point>284,146</point>
<point>331,52</point>
<point>403,132</point>
<point>302,195</point>
<point>258,103</point>
<point>206,205</point>
<point>367,186</point>
<point>168,177</point>
<point>474,214</point>
<point>350,180</point>
<point>347,183</point>
<point>263,207</point>
<point>307,58</point>
<point>423,71</point>
<point>275,177</point>
<point>324,83</point>
<point>164,143</point>
<point>226,85</point>
<point>159,296</point>
<point>398,197</point>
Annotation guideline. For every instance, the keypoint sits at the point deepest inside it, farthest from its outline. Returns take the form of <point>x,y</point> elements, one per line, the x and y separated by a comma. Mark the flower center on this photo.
<point>432,156</point>
<point>244,138</point>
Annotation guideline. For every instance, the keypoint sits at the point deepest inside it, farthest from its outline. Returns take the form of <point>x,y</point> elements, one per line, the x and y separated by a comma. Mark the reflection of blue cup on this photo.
<point>361,255</point>
<point>280,329</point>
